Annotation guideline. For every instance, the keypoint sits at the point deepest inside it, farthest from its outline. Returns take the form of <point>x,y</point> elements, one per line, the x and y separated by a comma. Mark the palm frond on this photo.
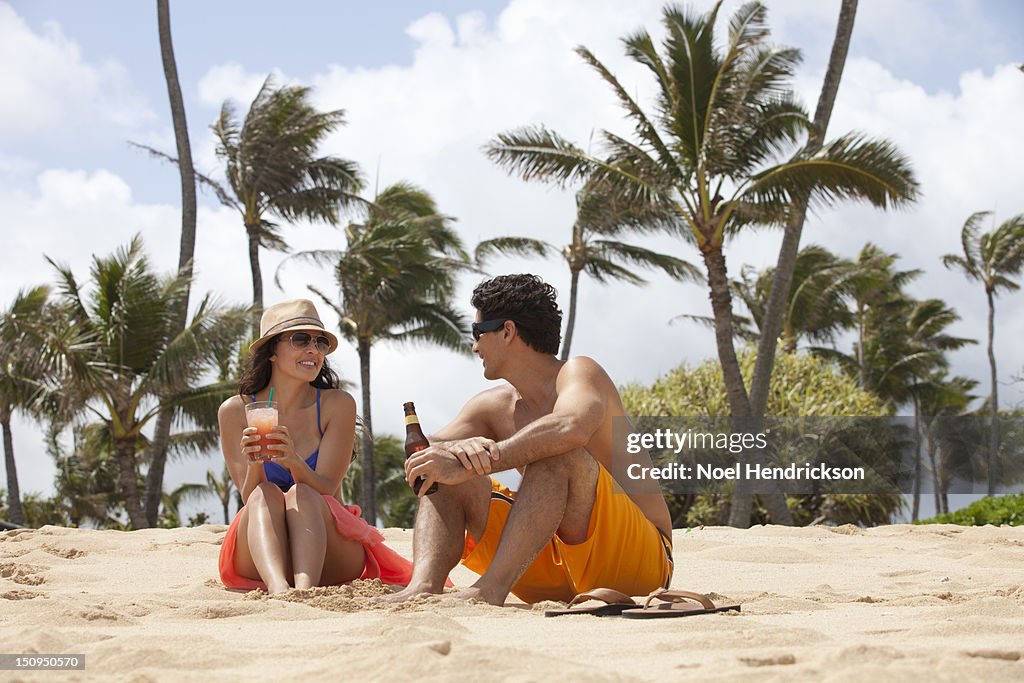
<point>742,327</point>
<point>511,246</point>
<point>851,167</point>
<point>222,193</point>
<point>536,153</point>
<point>676,268</point>
<point>641,48</point>
<point>693,64</point>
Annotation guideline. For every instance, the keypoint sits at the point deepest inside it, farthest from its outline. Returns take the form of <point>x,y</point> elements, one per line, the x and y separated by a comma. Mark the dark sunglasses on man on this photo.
<point>488,326</point>
<point>300,340</point>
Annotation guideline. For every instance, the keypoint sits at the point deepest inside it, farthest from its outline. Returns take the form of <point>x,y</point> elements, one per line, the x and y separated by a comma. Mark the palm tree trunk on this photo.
<point>788,346</point>
<point>736,392</point>
<point>186,250</point>
<point>993,439</point>
<point>783,279</point>
<point>571,322</point>
<point>369,477</point>
<point>257,278</point>
<point>862,368</point>
<point>157,466</point>
<point>916,505</point>
<point>127,470</point>
<point>721,307</point>
<point>13,490</point>
<point>187,247</point>
<point>935,461</point>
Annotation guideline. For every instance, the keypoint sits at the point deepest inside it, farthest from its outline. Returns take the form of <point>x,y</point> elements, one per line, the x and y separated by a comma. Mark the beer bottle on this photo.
<point>415,441</point>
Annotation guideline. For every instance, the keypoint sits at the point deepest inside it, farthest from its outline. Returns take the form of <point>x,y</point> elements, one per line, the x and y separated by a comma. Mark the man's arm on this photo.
<point>470,437</point>
<point>465,447</point>
<point>473,420</point>
<point>578,412</point>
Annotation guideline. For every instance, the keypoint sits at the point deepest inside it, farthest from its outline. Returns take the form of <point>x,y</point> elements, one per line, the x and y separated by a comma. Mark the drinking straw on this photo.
<point>270,399</point>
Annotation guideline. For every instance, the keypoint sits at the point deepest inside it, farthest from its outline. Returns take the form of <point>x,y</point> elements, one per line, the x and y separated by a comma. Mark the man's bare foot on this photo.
<point>476,593</point>
<point>410,592</point>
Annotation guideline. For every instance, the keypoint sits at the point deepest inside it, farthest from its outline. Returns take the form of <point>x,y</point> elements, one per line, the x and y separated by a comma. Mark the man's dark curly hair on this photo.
<point>527,300</point>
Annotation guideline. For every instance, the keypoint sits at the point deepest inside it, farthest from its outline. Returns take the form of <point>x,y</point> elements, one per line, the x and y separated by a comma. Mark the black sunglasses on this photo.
<point>300,340</point>
<point>488,326</point>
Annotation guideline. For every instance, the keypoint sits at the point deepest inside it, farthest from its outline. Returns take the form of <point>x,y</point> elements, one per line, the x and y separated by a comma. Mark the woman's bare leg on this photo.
<point>263,550</point>
<point>320,556</point>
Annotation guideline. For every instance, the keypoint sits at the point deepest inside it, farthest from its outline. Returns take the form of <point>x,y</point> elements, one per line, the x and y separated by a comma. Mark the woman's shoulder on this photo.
<point>233,405</point>
<point>336,400</point>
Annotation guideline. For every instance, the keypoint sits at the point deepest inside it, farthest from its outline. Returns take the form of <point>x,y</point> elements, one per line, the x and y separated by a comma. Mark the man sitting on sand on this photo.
<point>565,531</point>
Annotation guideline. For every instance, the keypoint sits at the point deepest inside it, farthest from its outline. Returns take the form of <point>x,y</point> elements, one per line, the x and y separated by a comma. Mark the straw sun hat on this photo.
<point>291,316</point>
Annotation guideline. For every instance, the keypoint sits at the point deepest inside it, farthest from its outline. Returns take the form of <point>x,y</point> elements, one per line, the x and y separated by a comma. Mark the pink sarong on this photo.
<point>381,561</point>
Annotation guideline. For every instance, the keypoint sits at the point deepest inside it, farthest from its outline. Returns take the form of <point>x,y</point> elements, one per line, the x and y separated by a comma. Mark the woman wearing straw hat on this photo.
<point>292,530</point>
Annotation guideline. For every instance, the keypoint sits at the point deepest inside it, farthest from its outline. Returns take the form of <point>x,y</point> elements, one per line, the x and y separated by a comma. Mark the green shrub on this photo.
<point>801,385</point>
<point>996,510</point>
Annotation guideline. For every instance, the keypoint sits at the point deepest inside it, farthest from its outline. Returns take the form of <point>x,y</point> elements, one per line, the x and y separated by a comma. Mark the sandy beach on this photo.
<point>895,602</point>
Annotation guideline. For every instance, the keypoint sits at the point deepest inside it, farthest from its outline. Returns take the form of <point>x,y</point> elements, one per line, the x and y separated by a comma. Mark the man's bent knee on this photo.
<point>461,494</point>
<point>568,464</point>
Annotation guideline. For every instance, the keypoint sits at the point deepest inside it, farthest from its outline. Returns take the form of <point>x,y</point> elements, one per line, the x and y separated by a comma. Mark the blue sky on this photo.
<point>424,85</point>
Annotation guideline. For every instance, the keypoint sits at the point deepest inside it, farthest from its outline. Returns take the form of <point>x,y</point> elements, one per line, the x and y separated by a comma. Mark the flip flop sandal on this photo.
<point>676,603</point>
<point>614,603</point>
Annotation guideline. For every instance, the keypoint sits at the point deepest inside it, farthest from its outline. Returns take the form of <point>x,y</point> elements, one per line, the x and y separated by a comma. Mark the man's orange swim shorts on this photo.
<point>623,550</point>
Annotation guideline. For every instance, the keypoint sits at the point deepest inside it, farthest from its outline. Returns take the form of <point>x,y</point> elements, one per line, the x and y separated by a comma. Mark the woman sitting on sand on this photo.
<point>292,530</point>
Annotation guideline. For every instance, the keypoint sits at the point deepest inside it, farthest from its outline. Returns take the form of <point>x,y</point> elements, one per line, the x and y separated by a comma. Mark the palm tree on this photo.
<point>87,477</point>
<point>991,258</point>
<point>222,487</point>
<point>906,345</point>
<point>138,363</point>
<point>396,278</point>
<point>926,364</point>
<point>786,268</point>
<point>876,290</point>
<point>816,310</point>
<point>900,353</point>
<point>187,248</point>
<point>396,502</point>
<point>273,170</point>
<point>171,502</point>
<point>711,151</point>
<point>19,365</point>
<point>816,307</point>
<point>714,151</point>
<point>937,400</point>
<point>596,247</point>
<point>274,173</point>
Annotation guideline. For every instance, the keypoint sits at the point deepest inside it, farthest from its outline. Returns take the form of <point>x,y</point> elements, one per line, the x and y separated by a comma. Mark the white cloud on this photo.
<point>48,86</point>
<point>230,81</point>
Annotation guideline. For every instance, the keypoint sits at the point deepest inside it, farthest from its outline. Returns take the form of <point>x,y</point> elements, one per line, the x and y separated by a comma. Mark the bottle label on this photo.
<point>412,420</point>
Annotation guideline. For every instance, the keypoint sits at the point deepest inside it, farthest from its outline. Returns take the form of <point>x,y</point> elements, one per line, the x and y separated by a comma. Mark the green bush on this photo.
<point>801,385</point>
<point>996,510</point>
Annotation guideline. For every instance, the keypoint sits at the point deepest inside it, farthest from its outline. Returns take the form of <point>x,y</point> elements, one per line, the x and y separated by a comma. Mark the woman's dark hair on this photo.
<point>529,302</point>
<point>257,369</point>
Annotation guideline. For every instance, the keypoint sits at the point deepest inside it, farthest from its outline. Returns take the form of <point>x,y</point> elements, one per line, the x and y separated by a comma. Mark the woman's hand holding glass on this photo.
<point>281,448</point>
<point>251,444</point>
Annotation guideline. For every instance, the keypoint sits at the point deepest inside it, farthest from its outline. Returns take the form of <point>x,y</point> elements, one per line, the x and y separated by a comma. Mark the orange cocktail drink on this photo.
<point>263,416</point>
